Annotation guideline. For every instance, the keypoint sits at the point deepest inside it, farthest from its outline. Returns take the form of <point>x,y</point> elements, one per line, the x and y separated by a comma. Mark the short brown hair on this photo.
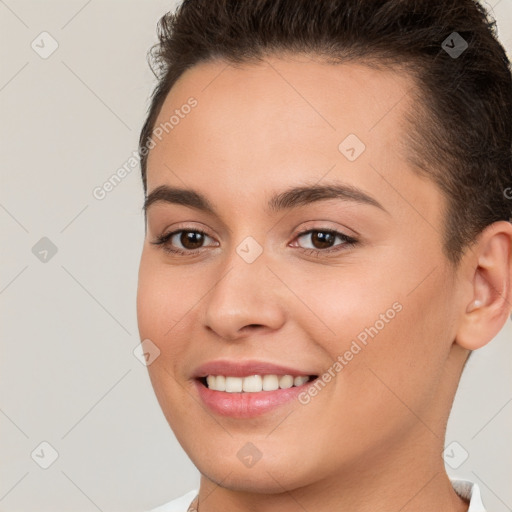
<point>461,126</point>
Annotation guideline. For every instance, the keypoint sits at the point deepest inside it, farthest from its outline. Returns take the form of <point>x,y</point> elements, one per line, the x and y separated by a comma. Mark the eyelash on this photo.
<point>347,242</point>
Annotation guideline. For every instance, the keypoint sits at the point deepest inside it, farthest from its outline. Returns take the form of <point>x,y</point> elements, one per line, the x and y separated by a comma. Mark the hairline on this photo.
<point>411,120</point>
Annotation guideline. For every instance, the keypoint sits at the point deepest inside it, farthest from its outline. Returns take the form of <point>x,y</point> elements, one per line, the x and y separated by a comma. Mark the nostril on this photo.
<point>251,327</point>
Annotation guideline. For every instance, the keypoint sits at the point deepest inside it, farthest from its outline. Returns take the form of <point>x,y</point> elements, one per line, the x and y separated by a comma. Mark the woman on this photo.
<point>327,240</point>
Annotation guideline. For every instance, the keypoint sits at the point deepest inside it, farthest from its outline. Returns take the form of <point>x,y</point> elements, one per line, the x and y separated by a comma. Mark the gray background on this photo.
<point>68,373</point>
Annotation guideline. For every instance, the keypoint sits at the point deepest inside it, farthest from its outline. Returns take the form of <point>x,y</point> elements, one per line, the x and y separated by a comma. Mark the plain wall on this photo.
<point>68,373</point>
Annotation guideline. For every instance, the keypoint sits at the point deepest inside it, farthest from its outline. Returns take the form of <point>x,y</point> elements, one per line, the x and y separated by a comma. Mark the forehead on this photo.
<point>256,126</point>
<point>303,96</point>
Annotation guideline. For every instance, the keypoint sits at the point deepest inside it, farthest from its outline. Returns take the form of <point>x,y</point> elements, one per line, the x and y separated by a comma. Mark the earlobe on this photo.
<point>490,299</point>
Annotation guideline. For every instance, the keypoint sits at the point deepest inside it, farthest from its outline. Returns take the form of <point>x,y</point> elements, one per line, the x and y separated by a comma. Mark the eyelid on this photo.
<point>186,226</point>
<point>327,225</point>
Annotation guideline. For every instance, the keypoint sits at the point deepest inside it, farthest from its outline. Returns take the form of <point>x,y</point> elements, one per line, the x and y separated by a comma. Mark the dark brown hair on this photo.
<point>460,132</point>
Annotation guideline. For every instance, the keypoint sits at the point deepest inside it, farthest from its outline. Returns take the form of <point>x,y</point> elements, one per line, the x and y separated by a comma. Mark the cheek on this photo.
<point>162,300</point>
<point>347,305</point>
<point>382,320</point>
<point>402,362</point>
<point>166,303</point>
<point>159,307</point>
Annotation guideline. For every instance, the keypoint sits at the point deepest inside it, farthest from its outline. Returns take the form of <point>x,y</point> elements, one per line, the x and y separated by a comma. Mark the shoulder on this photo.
<point>180,504</point>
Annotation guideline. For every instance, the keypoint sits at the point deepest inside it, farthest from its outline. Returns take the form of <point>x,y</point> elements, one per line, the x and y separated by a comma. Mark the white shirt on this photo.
<point>464,488</point>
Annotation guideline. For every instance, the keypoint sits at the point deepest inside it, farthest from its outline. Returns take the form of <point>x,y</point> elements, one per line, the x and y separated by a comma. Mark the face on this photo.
<point>343,279</point>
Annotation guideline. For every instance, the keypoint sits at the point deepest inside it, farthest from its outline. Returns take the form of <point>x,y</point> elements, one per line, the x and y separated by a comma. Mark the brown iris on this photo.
<point>191,239</point>
<point>322,239</point>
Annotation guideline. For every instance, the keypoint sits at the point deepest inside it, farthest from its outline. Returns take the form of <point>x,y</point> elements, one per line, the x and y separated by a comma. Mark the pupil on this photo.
<point>324,239</point>
<point>191,240</point>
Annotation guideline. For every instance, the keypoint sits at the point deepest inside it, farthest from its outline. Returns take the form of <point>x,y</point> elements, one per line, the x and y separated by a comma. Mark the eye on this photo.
<point>188,242</point>
<point>323,240</point>
<point>183,241</point>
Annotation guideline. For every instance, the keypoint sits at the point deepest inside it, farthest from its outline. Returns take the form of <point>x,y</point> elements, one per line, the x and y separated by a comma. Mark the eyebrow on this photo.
<point>290,198</point>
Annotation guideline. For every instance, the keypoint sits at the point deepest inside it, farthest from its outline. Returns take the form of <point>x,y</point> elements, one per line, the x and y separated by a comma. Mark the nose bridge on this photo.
<point>243,294</point>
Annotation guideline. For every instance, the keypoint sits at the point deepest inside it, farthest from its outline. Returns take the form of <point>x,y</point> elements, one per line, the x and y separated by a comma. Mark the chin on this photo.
<point>260,480</point>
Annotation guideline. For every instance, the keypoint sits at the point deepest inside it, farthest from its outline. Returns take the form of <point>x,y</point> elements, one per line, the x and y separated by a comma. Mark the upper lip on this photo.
<point>245,368</point>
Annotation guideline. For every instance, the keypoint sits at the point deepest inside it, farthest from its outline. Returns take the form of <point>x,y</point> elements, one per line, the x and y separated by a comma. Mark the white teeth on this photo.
<point>234,384</point>
<point>298,381</point>
<point>220,383</point>
<point>286,381</point>
<point>254,383</point>
<point>270,382</point>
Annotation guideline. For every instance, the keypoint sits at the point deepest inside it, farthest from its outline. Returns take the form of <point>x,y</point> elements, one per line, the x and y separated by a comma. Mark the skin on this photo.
<point>372,439</point>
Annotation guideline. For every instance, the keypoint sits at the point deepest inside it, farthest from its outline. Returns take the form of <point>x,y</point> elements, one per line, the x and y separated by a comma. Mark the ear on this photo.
<point>488,303</point>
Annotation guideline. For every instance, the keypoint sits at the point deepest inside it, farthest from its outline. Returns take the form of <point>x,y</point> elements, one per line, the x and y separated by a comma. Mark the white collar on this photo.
<point>469,491</point>
<point>464,488</point>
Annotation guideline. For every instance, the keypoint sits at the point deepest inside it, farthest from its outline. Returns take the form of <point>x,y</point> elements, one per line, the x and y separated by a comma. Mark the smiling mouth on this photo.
<point>254,383</point>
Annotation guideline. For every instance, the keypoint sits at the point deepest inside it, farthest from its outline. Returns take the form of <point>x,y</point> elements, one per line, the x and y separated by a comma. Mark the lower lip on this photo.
<point>247,405</point>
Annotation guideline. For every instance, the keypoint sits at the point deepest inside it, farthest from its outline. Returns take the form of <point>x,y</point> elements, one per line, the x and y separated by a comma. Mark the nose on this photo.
<point>247,297</point>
